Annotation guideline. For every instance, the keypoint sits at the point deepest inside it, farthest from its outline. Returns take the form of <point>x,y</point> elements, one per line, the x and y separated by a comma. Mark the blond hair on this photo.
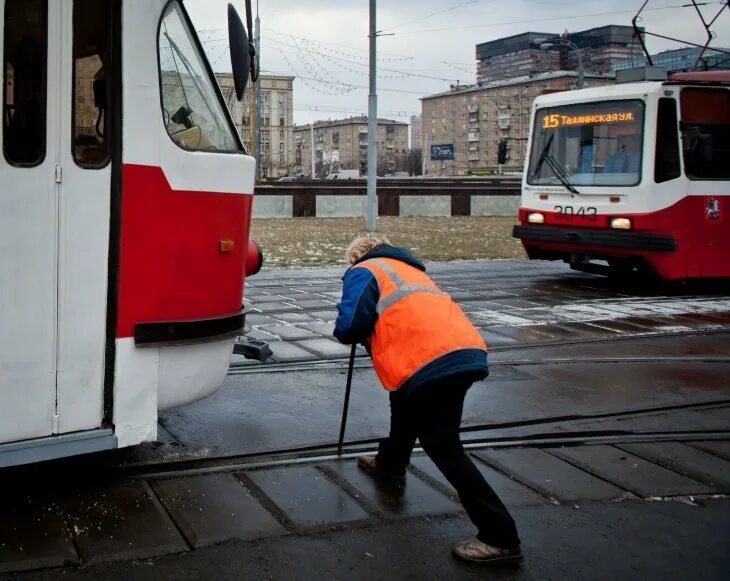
<point>364,244</point>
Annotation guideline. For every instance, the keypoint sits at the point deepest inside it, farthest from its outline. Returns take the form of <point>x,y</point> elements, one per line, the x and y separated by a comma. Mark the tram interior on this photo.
<point>706,132</point>
<point>90,54</point>
<point>24,50</point>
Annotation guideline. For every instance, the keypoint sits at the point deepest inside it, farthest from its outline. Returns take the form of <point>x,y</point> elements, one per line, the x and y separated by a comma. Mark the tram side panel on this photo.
<point>185,217</point>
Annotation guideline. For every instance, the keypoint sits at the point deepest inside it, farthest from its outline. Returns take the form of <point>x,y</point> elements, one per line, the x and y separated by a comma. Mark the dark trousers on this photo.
<point>432,413</point>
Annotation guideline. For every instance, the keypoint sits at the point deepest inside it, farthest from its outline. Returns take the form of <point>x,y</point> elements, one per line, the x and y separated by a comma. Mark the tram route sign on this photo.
<point>442,152</point>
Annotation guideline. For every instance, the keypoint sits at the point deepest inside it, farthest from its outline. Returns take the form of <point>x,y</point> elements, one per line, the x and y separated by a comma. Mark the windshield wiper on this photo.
<point>553,164</point>
<point>559,172</point>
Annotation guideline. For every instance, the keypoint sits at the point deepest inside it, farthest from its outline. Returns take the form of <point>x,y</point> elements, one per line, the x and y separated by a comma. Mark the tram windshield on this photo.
<point>590,144</point>
<point>193,113</point>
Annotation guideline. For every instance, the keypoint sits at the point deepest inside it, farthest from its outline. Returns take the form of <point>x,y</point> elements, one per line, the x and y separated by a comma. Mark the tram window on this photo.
<point>24,97</point>
<point>90,106</point>
<point>667,142</point>
<point>706,133</point>
<point>193,111</point>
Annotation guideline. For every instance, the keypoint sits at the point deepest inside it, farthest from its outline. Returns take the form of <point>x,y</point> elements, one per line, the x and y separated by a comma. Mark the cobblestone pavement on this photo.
<point>511,302</point>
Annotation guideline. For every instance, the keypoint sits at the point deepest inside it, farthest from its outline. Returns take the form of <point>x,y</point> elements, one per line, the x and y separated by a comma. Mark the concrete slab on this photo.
<point>718,448</point>
<point>304,496</point>
<point>121,521</point>
<point>325,329</point>
<point>389,498</point>
<point>275,307</point>
<point>284,351</point>
<point>325,347</point>
<point>292,318</point>
<point>33,534</point>
<point>215,508</point>
<point>510,491</point>
<point>314,304</point>
<point>635,474</point>
<point>550,475</point>
<point>692,462</point>
<point>287,332</point>
<point>330,315</point>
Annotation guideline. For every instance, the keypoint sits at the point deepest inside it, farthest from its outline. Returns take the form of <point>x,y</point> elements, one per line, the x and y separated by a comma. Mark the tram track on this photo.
<point>363,361</point>
<point>473,436</point>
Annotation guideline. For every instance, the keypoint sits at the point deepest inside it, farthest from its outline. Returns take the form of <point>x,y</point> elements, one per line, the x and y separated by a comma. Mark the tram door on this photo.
<point>54,216</point>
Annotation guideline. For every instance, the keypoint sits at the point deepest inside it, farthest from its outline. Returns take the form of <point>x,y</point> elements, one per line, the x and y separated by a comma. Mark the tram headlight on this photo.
<point>621,223</point>
<point>536,218</point>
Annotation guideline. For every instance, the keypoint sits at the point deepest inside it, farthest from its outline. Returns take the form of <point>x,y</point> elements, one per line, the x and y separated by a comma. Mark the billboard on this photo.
<point>442,151</point>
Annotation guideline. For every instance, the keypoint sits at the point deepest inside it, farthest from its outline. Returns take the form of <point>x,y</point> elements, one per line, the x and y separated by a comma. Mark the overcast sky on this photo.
<point>324,42</point>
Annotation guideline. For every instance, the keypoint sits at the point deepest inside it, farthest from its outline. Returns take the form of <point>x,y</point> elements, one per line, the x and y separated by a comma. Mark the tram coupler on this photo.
<point>252,349</point>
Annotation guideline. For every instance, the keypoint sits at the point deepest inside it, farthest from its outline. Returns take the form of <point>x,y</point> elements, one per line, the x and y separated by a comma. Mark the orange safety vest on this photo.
<point>417,323</point>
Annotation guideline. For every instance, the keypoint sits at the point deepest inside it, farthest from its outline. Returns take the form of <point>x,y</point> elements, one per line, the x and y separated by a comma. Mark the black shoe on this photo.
<point>370,465</point>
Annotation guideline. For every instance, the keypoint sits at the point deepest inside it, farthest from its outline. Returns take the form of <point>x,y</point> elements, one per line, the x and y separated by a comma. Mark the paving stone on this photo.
<point>288,332</point>
<point>522,335</point>
<point>285,351</point>
<point>494,339</point>
<point>121,521</point>
<point>718,448</point>
<point>510,491</point>
<point>255,319</point>
<point>691,462</point>
<point>321,328</point>
<point>215,508</point>
<point>276,307</point>
<point>267,299</point>
<point>306,496</point>
<point>390,498</point>
<point>313,304</point>
<point>631,472</point>
<point>325,315</point>
<point>548,474</point>
<point>33,534</point>
<point>260,335</point>
<point>239,360</point>
<point>325,347</point>
<point>291,318</point>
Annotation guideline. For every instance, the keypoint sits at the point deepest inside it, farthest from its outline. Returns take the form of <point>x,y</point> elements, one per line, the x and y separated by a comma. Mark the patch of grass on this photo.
<point>298,242</point>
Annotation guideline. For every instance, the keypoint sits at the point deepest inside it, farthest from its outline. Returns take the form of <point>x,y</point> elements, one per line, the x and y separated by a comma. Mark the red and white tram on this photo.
<point>632,177</point>
<point>125,205</point>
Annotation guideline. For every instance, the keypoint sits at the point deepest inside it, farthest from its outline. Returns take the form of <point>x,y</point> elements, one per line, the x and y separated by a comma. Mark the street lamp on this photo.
<point>544,44</point>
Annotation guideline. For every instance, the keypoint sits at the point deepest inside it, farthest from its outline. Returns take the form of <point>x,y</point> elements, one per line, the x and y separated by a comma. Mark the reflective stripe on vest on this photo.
<point>409,334</point>
<point>402,289</point>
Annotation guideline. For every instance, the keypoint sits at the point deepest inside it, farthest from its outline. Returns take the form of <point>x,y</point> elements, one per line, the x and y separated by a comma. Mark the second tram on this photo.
<point>632,177</point>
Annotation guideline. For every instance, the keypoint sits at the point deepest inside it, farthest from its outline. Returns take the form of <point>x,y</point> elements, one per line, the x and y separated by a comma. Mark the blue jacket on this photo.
<point>356,317</point>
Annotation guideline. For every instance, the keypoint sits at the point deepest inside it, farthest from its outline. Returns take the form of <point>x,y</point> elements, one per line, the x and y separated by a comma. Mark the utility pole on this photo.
<point>372,201</point>
<point>257,98</point>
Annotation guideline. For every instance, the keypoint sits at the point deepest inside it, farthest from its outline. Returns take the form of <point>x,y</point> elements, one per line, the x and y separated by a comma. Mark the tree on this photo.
<point>415,162</point>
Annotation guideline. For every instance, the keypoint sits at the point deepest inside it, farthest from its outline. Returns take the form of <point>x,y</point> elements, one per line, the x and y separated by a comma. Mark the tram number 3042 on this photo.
<point>569,212</point>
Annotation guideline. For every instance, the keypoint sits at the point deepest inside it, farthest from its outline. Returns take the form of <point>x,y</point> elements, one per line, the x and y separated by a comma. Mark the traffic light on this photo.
<point>502,151</point>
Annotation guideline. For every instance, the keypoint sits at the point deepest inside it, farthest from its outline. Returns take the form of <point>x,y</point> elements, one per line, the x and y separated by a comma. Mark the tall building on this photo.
<point>416,140</point>
<point>277,121</point>
<point>474,119</point>
<point>343,144</point>
<point>521,55</point>
<point>680,59</point>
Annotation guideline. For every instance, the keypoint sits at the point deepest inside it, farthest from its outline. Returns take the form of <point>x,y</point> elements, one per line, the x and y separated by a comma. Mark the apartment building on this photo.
<point>526,53</point>
<point>681,59</point>
<point>343,144</point>
<point>475,118</point>
<point>277,121</point>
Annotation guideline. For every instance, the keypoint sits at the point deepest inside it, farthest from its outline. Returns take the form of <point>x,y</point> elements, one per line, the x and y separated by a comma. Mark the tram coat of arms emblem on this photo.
<point>712,210</point>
